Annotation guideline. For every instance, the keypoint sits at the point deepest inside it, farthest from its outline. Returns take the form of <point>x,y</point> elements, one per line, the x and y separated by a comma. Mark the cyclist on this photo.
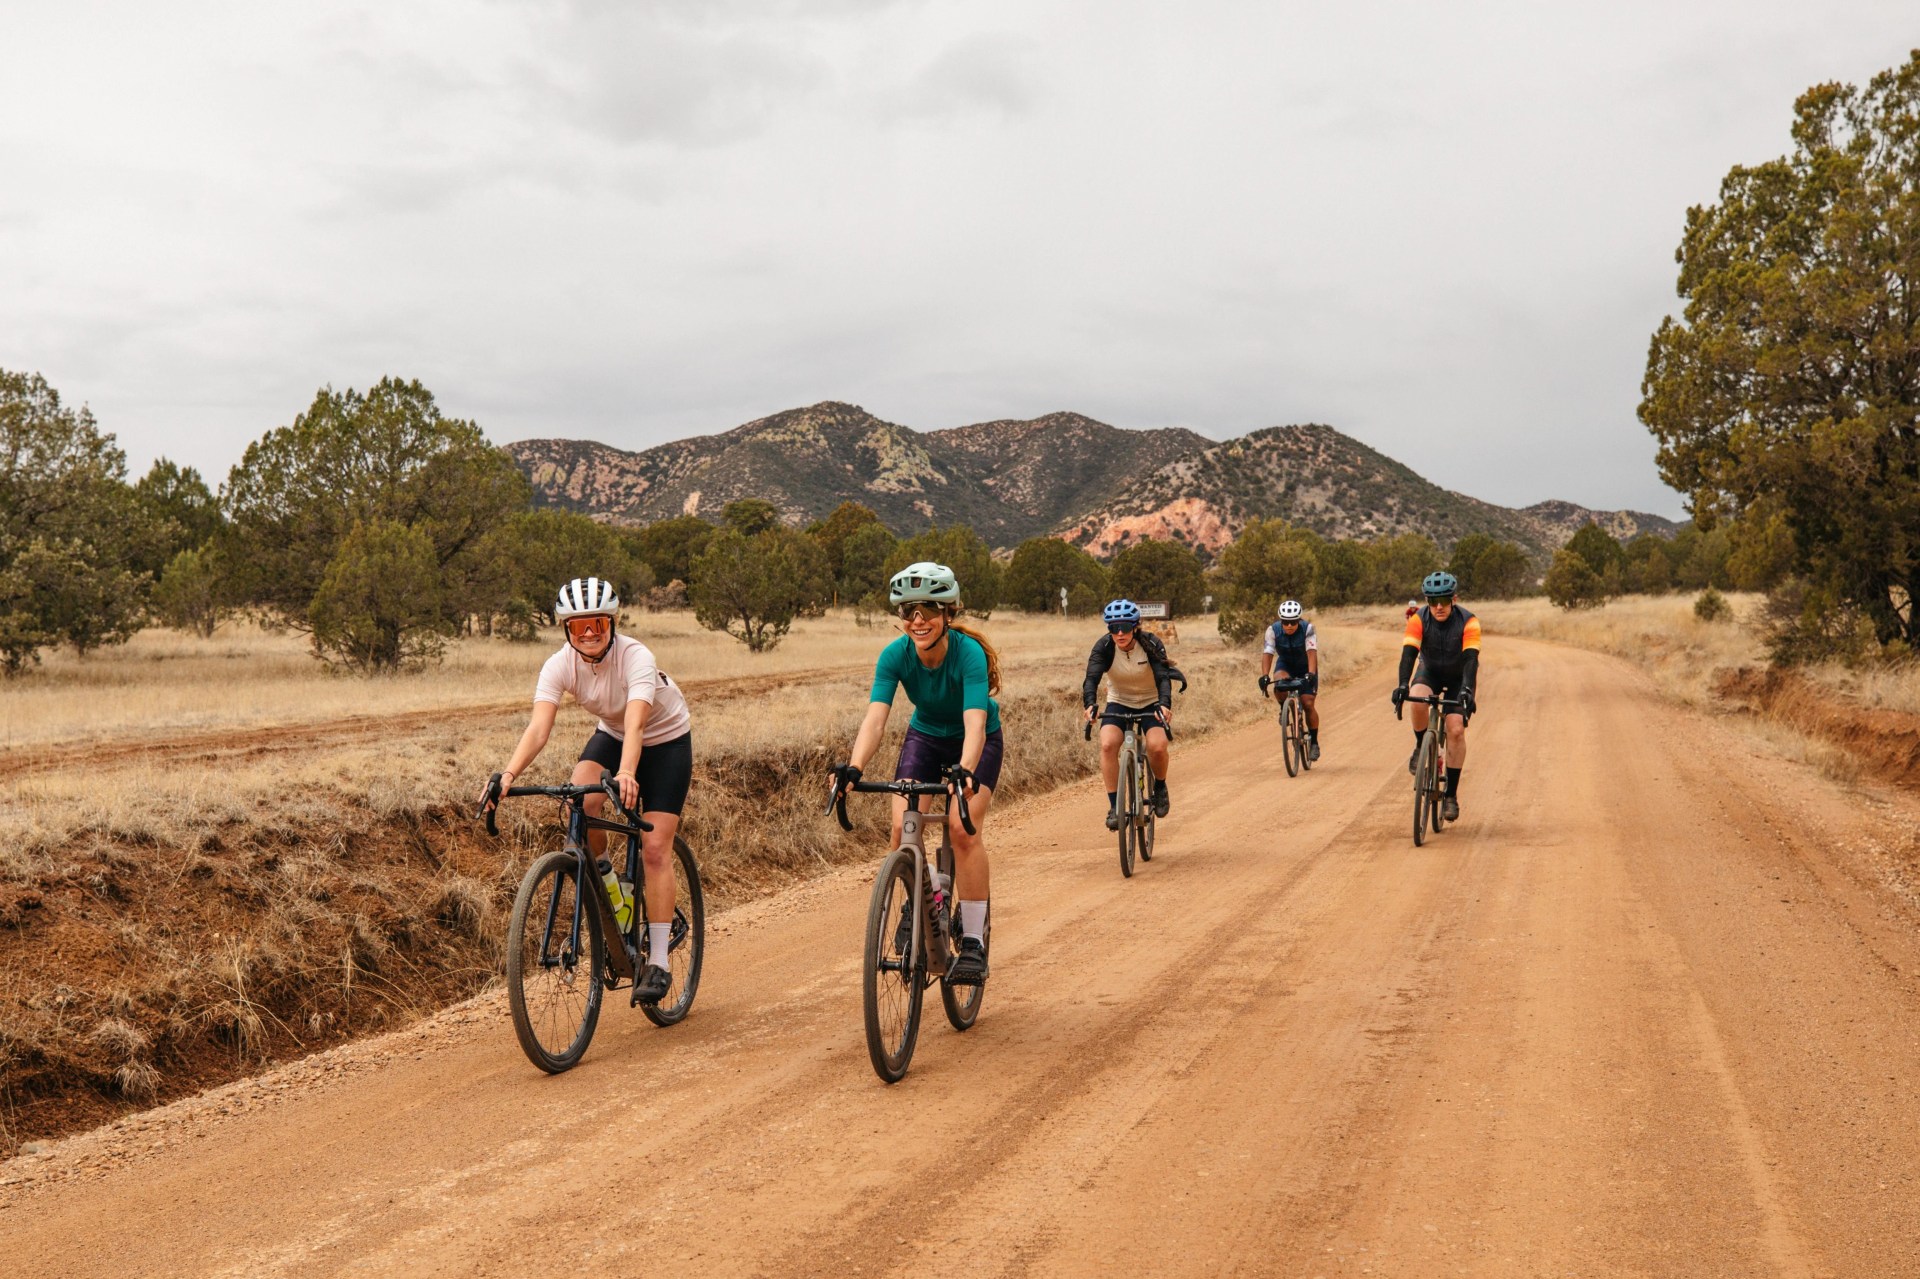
<point>1292,651</point>
<point>950,672</point>
<point>644,739</point>
<point>1140,693</point>
<point>1445,640</point>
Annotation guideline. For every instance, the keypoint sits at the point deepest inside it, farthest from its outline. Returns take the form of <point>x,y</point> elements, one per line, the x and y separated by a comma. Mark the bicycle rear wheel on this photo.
<point>891,981</point>
<point>962,1002</point>
<point>554,964</point>
<point>1422,788</point>
<point>1288,749</point>
<point>1129,801</point>
<point>686,939</point>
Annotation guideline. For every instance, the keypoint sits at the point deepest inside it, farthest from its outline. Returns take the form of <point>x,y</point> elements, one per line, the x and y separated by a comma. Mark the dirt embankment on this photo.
<point>1885,743</point>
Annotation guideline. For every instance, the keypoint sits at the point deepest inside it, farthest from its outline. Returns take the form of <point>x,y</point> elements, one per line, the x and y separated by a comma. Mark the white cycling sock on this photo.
<point>657,943</point>
<point>973,920</point>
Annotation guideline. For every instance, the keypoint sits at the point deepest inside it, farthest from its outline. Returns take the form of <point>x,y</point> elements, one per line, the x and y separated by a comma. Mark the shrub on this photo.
<point>753,587</point>
<point>378,606</point>
<point>1712,606</point>
<point>1572,583</point>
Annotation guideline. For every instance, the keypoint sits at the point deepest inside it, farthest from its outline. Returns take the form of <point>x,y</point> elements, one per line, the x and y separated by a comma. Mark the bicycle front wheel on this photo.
<point>554,964</point>
<point>1289,751</point>
<point>1129,800</point>
<point>1435,817</point>
<point>686,939</point>
<point>891,981</point>
<point>1300,748</point>
<point>1422,788</point>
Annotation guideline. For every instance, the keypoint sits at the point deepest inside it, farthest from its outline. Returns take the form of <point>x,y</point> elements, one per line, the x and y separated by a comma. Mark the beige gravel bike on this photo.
<point>912,927</point>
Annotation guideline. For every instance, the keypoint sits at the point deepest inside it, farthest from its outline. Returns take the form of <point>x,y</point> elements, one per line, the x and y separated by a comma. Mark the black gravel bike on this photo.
<point>912,926</point>
<point>565,943</point>
<point>1430,764</point>
<point>1293,725</point>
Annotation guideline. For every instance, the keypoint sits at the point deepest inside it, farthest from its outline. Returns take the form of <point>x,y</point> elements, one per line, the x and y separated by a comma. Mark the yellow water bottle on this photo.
<point>619,893</point>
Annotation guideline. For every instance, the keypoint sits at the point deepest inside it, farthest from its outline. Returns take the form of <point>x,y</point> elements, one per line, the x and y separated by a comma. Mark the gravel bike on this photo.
<point>912,926</point>
<point>1430,764</point>
<point>565,943</point>
<point>1133,799</point>
<point>1293,725</point>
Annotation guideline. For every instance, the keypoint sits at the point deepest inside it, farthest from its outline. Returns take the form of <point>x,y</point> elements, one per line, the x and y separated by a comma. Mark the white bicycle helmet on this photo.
<point>586,597</point>
<point>923,583</point>
<point>1290,611</point>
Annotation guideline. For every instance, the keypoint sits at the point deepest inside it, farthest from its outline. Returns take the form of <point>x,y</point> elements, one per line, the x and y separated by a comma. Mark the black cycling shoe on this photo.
<point>1113,818</point>
<point>1161,801</point>
<point>969,967</point>
<point>1313,751</point>
<point>1450,809</point>
<point>1413,759</point>
<point>652,985</point>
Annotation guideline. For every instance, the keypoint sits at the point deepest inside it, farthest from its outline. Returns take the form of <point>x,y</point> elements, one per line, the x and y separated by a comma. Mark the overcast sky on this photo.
<point>1445,229</point>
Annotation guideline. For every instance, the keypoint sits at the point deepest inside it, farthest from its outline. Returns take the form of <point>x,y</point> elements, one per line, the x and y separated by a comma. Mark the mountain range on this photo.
<point>1064,474</point>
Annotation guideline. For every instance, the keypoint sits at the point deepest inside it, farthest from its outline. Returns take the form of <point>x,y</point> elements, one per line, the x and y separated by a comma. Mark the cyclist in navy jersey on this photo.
<point>1292,652</point>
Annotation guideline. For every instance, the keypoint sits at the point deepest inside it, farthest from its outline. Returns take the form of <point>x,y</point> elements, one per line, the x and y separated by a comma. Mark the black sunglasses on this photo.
<point>1121,628</point>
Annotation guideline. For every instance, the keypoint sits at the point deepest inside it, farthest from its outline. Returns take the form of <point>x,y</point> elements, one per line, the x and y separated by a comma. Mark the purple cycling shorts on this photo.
<point>922,756</point>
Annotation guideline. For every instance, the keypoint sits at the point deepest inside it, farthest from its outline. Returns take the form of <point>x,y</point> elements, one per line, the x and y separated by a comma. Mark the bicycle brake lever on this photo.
<point>1086,730</point>
<point>490,804</point>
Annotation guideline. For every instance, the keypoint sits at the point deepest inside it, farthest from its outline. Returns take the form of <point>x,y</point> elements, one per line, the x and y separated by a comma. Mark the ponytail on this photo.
<point>986,645</point>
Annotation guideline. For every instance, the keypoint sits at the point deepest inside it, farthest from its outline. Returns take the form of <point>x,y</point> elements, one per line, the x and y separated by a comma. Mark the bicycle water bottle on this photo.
<point>619,893</point>
<point>937,900</point>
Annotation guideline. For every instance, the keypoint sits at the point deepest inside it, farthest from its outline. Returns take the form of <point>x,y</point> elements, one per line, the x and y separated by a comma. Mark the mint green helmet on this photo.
<point>923,583</point>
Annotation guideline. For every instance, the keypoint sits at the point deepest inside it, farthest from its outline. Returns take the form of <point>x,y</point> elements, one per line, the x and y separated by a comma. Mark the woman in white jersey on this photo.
<point>644,740</point>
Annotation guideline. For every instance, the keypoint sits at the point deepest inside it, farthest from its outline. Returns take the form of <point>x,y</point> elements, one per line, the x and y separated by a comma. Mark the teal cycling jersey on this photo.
<point>941,695</point>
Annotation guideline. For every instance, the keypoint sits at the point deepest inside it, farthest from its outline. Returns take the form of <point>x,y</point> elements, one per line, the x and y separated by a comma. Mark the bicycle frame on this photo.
<point>912,841</point>
<point>623,960</point>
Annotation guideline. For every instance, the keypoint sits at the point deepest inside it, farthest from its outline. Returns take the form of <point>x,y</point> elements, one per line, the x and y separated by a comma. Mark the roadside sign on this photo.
<point>1153,609</point>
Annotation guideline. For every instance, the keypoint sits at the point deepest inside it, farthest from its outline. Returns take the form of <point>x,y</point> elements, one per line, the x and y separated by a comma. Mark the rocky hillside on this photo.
<point>1310,475</point>
<point>1009,480</point>
<point>1094,484</point>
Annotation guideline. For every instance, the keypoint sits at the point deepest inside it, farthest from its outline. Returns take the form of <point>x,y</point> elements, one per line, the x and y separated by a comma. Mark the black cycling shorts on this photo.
<point>1441,682</point>
<point>665,771</point>
<point>1120,716</point>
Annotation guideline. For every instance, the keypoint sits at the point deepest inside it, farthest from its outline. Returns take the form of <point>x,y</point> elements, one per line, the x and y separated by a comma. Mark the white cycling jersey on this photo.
<point>604,688</point>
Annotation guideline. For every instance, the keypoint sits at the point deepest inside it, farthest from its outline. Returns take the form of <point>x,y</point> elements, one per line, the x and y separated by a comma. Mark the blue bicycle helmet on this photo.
<point>1121,611</point>
<point>1441,585</point>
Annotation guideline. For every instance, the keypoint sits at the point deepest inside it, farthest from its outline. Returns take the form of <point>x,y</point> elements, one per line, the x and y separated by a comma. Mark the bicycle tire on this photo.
<point>1286,739</point>
<point>1129,801</point>
<point>891,995</point>
<point>1422,771</point>
<point>1149,823</point>
<point>1435,817</point>
<point>963,1002</point>
<point>1300,741</point>
<point>556,1023</point>
<point>687,942</point>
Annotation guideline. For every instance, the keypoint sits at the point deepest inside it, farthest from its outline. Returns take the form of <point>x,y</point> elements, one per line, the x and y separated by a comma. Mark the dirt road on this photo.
<point>1644,1011</point>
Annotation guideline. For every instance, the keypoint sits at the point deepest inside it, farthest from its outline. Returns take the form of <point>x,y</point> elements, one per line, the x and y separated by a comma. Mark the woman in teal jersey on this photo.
<point>950,673</point>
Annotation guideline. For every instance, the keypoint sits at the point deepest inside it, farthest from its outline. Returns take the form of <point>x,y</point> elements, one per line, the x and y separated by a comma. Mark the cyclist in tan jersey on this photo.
<point>1140,679</point>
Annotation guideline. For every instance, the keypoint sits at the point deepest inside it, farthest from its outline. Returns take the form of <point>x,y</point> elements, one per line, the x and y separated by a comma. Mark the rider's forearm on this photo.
<point>1266,663</point>
<point>1407,654</point>
<point>1313,662</point>
<point>974,744</point>
<point>532,742</point>
<point>638,712</point>
<point>1470,668</point>
<point>867,740</point>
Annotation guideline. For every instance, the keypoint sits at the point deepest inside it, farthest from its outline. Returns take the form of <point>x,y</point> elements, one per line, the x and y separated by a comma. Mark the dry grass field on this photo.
<point>215,854</point>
